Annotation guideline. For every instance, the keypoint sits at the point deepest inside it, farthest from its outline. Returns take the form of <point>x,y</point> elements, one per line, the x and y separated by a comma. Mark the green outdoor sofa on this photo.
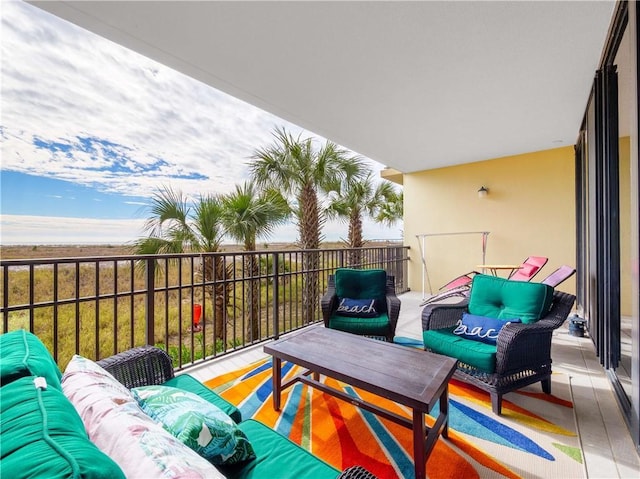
<point>41,434</point>
<point>500,335</point>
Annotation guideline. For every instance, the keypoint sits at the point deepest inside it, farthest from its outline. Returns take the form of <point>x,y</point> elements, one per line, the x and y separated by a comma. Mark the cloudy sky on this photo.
<point>90,130</point>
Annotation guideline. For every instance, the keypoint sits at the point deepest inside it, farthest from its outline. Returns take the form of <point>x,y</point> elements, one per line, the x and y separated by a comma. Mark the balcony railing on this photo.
<point>99,306</point>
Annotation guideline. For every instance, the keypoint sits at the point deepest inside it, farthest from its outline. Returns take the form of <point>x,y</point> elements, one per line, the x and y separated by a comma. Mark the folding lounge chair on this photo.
<point>462,280</point>
<point>458,286</point>
<point>461,285</point>
<point>529,268</point>
<point>563,273</point>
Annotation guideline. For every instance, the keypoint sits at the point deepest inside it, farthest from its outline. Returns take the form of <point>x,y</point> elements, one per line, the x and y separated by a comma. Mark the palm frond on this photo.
<point>248,213</point>
<point>208,224</point>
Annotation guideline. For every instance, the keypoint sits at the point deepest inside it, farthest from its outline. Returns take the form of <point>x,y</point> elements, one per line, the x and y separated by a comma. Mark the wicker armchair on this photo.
<point>523,350</point>
<point>349,285</point>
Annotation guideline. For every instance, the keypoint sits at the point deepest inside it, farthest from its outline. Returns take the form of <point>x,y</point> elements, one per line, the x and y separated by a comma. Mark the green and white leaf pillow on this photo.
<point>196,422</point>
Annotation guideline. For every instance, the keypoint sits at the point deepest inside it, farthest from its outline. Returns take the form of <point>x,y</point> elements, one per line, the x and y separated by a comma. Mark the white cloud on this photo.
<point>118,122</point>
<point>61,84</point>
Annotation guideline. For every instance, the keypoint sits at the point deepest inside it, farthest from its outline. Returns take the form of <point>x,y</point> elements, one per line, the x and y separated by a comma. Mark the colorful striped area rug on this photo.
<point>534,438</point>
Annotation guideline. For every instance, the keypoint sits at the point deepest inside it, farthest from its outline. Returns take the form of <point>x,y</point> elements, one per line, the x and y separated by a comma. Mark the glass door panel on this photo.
<point>623,65</point>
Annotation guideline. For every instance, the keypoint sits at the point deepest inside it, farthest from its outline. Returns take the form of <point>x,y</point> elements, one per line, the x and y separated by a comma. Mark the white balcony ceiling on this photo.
<point>412,85</point>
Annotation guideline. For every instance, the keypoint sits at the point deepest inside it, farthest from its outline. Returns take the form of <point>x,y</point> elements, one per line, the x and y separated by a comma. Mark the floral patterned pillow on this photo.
<point>196,422</point>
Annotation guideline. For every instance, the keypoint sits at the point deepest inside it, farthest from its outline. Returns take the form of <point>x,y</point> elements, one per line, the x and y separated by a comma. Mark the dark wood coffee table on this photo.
<point>411,377</point>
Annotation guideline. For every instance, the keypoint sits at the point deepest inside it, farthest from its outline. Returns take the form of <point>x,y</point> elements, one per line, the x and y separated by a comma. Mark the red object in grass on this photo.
<point>197,314</point>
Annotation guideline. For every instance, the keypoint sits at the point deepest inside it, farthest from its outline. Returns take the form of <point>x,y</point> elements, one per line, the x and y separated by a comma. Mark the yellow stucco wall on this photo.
<point>530,210</point>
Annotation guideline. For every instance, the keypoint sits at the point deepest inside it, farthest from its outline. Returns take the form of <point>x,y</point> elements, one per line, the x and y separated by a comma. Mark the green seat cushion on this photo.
<point>43,436</point>
<point>361,284</point>
<point>474,353</point>
<point>276,457</point>
<point>23,354</point>
<point>377,326</point>
<point>191,384</point>
<point>503,299</point>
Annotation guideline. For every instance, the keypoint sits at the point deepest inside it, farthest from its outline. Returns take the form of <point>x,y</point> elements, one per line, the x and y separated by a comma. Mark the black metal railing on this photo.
<point>195,306</point>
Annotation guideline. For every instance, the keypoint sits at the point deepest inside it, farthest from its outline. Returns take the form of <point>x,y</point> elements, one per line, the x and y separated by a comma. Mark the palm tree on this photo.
<point>174,226</point>
<point>391,211</point>
<point>358,198</point>
<point>303,173</point>
<point>247,214</point>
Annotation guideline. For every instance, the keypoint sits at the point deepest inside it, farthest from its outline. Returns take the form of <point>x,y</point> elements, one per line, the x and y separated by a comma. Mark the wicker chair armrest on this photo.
<point>141,366</point>
<point>440,316</point>
<point>528,345</point>
<point>356,472</point>
<point>393,302</point>
<point>562,305</point>
<point>393,310</point>
<point>329,301</point>
<point>522,345</point>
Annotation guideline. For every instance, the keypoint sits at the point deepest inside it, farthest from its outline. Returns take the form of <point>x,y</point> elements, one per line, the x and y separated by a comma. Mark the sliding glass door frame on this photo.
<point>598,216</point>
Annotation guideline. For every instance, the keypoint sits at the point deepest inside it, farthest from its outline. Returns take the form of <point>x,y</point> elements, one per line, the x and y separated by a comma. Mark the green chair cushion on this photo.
<point>378,326</point>
<point>43,436</point>
<point>503,299</point>
<point>276,456</point>
<point>23,354</point>
<point>474,353</point>
<point>361,283</point>
<point>191,384</point>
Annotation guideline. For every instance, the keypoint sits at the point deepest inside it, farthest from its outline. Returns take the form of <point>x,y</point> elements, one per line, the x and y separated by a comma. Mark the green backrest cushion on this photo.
<point>503,299</point>
<point>23,354</point>
<point>43,436</point>
<point>361,283</point>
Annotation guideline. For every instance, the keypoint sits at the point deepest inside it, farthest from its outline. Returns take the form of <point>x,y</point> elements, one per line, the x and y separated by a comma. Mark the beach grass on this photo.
<point>111,315</point>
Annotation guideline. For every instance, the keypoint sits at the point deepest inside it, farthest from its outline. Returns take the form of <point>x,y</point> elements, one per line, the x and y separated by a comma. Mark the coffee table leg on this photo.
<point>444,409</point>
<point>419,445</point>
<point>277,382</point>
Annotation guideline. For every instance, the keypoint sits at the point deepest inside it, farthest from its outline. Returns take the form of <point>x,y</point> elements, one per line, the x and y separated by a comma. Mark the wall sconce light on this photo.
<point>483,192</point>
